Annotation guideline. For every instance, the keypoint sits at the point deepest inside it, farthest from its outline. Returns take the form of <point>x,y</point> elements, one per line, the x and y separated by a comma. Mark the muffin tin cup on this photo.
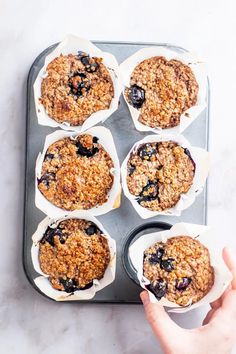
<point>205,236</point>
<point>133,235</point>
<point>200,157</point>
<point>42,281</point>
<point>190,59</point>
<point>71,45</point>
<point>106,140</point>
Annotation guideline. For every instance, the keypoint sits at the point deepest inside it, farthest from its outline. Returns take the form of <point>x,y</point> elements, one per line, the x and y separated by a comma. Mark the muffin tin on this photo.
<point>118,222</point>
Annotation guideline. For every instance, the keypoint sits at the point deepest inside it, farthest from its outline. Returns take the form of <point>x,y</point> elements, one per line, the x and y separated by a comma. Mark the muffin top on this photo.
<point>73,254</point>
<point>75,87</point>
<point>158,173</point>
<point>76,173</point>
<point>179,269</point>
<point>162,90</point>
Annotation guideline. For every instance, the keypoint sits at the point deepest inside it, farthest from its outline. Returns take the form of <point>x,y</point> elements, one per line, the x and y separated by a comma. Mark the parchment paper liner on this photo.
<point>204,235</point>
<point>198,68</point>
<point>106,140</point>
<point>202,161</point>
<point>42,281</point>
<point>71,45</point>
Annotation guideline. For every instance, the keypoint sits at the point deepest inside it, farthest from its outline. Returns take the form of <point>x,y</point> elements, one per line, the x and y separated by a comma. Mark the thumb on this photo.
<point>162,325</point>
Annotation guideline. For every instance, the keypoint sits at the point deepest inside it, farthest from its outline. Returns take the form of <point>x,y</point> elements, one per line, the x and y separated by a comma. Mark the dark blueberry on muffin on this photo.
<point>146,151</point>
<point>92,229</point>
<point>157,256</point>
<point>167,264</point>
<point>183,283</point>
<point>79,84</point>
<point>90,63</point>
<point>136,96</point>
<point>83,151</point>
<point>50,233</point>
<point>158,288</point>
<point>47,178</point>
<point>149,192</point>
<point>70,285</point>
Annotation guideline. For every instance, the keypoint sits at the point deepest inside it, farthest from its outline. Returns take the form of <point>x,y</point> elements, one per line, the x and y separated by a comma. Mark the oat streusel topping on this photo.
<point>75,87</point>
<point>179,269</point>
<point>162,90</point>
<point>76,173</point>
<point>74,254</point>
<point>158,173</point>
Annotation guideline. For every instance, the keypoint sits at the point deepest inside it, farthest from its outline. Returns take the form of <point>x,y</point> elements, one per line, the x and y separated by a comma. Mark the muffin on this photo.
<point>179,270</point>
<point>73,255</point>
<point>76,173</point>
<point>75,87</point>
<point>158,173</point>
<point>162,90</point>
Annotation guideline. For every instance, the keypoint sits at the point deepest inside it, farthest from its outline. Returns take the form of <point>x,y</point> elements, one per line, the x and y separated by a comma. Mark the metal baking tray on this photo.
<point>122,221</point>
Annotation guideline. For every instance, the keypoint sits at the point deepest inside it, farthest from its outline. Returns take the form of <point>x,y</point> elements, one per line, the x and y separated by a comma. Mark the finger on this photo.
<point>208,317</point>
<point>157,317</point>
<point>231,264</point>
<point>216,304</point>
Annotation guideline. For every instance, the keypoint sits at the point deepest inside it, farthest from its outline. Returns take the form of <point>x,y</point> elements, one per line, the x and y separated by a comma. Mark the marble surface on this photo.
<point>28,322</point>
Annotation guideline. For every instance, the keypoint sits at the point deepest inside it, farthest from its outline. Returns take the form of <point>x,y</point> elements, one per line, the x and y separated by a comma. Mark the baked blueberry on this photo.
<point>70,285</point>
<point>50,233</point>
<point>47,178</point>
<point>92,229</point>
<point>167,264</point>
<point>131,169</point>
<point>83,151</point>
<point>136,96</point>
<point>156,257</point>
<point>95,139</point>
<point>147,151</point>
<point>149,192</point>
<point>187,152</point>
<point>158,288</point>
<point>88,286</point>
<point>48,157</point>
<point>183,283</point>
<point>90,64</point>
<point>79,84</point>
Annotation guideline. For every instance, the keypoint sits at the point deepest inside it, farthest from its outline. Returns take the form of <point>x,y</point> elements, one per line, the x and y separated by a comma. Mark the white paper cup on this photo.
<point>204,235</point>
<point>42,281</point>
<point>106,140</point>
<point>190,59</point>
<point>202,162</point>
<point>71,45</point>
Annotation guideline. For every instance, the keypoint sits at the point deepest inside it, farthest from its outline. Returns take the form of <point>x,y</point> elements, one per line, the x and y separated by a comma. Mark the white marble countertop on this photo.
<point>28,322</point>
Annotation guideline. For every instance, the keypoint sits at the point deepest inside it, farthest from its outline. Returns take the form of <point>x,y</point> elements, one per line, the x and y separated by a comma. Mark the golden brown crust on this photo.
<point>190,261</point>
<point>58,99</point>
<point>158,173</point>
<point>78,260</point>
<point>170,89</point>
<point>72,181</point>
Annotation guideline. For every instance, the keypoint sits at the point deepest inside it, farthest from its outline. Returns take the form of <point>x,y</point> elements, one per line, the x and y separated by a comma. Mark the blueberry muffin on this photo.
<point>76,173</point>
<point>73,254</point>
<point>158,173</point>
<point>162,90</point>
<point>75,87</point>
<point>179,269</point>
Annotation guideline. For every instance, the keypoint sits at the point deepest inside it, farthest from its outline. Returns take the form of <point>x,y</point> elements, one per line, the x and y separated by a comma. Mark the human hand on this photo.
<point>216,335</point>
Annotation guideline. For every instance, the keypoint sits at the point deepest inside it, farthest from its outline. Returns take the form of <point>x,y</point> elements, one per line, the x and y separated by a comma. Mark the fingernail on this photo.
<point>145,297</point>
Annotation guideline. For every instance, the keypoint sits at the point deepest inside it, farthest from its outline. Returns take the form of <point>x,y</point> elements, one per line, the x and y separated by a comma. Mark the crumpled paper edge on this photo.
<point>199,70</point>
<point>70,45</point>
<point>42,281</point>
<point>203,234</point>
<point>201,158</point>
<point>106,140</point>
